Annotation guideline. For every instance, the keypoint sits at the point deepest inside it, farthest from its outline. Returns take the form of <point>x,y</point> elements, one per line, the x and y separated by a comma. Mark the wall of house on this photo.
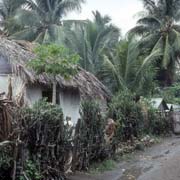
<point>5,75</point>
<point>5,70</point>
<point>32,94</point>
<point>16,82</point>
<point>70,104</point>
<point>69,101</point>
<point>3,83</point>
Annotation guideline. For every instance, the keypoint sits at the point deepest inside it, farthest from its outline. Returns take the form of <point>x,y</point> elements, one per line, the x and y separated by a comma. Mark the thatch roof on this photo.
<point>18,53</point>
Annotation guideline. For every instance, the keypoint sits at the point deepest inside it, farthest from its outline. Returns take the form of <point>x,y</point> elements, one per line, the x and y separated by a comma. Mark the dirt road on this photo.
<point>160,162</point>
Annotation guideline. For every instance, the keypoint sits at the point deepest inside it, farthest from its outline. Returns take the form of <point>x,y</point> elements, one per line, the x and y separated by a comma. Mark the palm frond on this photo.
<point>28,34</point>
<point>176,27</point>
<point>27,18</point>
<point>166,53</point>
<point>152,57</point>
<point>138,30</point>
<point>176,45</point>
<point>149,20</point>
<point>110,69</point>
<point>63,7</point>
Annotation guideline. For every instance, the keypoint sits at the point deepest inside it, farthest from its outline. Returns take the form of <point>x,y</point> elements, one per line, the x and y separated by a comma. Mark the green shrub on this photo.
<point>31,171</point>
<point>155,122</point>
<point>44,119</point>
<point>45,140</point>
<point>6,162</point>
<point>159,122</point>
<point>89,142</point>
<point>172,94</point>
<point>127,113</point>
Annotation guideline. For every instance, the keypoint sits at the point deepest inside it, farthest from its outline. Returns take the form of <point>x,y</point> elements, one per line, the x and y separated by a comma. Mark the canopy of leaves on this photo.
<point>54,60</point>
<point>40,20</point>
<point>90,39</point>
<point>158,29</point>
<point>8,9</point>
<point>172,94</point>
<point>123,69</point>
<point>127,113</point>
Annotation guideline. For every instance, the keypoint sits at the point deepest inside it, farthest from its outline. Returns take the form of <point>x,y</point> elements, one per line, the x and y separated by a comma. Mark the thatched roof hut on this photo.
<point>18,53</point>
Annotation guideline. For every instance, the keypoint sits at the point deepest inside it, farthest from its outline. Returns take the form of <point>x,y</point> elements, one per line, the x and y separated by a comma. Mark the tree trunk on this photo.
<point>54,92</point>
<point>165,77</point>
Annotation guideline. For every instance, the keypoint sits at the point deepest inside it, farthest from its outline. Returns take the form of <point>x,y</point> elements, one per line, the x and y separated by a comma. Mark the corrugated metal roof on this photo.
<point>156,102</point>
<point>170,106</point>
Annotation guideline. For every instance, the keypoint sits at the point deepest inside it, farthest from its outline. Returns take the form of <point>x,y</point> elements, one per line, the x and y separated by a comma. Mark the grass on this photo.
<point>124,157</point>
<point>106,165</point>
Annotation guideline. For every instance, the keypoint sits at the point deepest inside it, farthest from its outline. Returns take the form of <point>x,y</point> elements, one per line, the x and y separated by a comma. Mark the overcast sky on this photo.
<point>122,12</point>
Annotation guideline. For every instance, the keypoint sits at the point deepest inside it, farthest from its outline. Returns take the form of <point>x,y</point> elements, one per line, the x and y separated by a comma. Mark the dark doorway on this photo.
<point>48,95</point>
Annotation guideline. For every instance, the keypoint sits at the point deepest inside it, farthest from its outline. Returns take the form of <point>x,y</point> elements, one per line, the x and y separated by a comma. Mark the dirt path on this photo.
<point>160,162</point>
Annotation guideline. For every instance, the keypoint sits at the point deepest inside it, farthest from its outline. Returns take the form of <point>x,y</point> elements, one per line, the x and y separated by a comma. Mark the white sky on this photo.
<point>122,12</point>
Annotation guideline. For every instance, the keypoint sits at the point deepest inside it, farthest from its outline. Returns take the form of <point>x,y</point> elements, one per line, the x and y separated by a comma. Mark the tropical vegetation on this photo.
<point>90,39</point>
<point>141,65</point>
<point>145,59</point>
<point>37,20</point>
<point>159,30</point>
<point>54,60</point>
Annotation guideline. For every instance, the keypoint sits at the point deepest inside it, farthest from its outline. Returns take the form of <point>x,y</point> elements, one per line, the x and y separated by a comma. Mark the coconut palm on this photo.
<point>90,39</point>
<point>41,19</point>
<point>124,69</point>
<point>158,28</point>
<point>8,9</point>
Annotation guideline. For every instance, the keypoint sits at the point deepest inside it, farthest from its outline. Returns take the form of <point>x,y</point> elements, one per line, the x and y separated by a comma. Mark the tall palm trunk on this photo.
<point>165,77</point>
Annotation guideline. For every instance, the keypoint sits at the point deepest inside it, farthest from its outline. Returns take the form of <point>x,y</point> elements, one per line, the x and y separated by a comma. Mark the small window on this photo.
<point>48,95</point>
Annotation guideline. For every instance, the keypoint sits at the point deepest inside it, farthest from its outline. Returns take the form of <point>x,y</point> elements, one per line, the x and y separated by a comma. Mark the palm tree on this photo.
<point>8,9</point>
<point>42,19</point>
<point>90,39</point>
<point>158,28</point>
<point>124,70</point>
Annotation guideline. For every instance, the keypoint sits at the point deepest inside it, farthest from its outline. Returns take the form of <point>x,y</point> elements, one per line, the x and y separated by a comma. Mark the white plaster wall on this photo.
<point>3,83</point>
<point>69,101</point>
<point>33,94</point>
<point>70,104</point>
<point>17,84</point>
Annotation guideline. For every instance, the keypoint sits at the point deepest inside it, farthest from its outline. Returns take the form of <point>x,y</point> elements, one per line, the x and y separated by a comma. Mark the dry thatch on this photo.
<point>18,53</point>
<point>5,120</point>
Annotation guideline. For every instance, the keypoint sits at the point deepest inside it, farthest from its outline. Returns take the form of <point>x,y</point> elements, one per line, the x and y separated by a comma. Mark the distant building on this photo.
<point>174,107</point>
<point>159,104</point>
<point>170,106</point>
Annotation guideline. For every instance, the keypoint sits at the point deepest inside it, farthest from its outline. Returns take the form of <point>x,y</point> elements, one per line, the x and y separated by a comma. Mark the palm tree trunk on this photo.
<point>165,77</point>
<point>54,92</point>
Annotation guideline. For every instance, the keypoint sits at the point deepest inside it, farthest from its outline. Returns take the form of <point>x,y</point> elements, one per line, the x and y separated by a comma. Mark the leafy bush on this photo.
<point>44,140</point>
<point>127,113</point>
<point>89,142</point>
<point>159,122</point>
<point>137,118</point>
<point>6,162</point>
<point>31,171</point>
<point>155,122</point>
<point>172,94</point>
